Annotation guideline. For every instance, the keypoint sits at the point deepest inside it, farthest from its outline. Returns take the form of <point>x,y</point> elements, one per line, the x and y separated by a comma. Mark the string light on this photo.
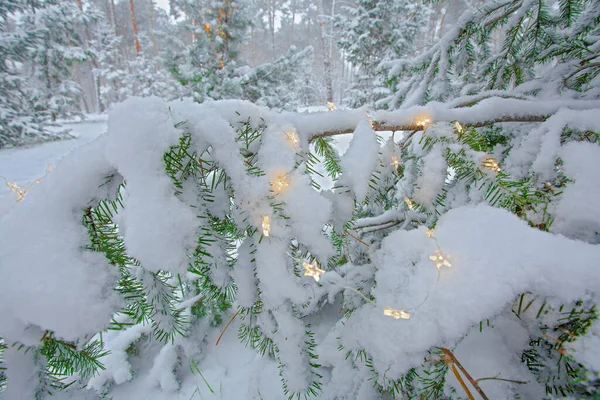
<point>397,314</point>
<point>440,260</point>
<point>313,270</point>
<point>293,138</point>
<point>429,233</point>
<point>331,106</point>
<point>13,187</point>
<point>492,164</point>
<point>458,127</point>
<point>266,225</point>
<point>395,161</point>
<point>423,122</point>
<point>371,123</point>
<point>21,192</point>
<point>409,203</point>
<point>280,184</point>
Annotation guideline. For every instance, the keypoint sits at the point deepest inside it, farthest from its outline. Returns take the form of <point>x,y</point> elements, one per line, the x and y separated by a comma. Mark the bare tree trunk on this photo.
<point>138,48</point>
<point>80,5</point>
<point>108,12</point>
<point>433,20</point>
<point>228,13</point>
<point>78,77</point>
<point>114,15</point>
<point>326,60</point>
<point>271,13</point>
<point>308,27</point>
<point>293,22</point>
<point>154,45</point>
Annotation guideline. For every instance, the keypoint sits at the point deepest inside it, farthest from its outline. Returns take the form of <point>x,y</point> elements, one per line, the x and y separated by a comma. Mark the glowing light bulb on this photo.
<point>293,138</point>
<point>395,161</point>
<point>423,122</point>
<point>280,184</point>
<point>458,127</point>
<point>207,27</point>
<point>440,260</point>
<point>371,123</point>
<point>409,203</point>
<point>429,233</point>
<point>492,164</point>
<point>331,106</point>
<point>266,225</point>
<point>397,314</point>
<point>313,270</point>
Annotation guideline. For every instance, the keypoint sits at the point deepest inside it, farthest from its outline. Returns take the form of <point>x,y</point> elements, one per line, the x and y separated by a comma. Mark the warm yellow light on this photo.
<point>440,260</point>
<point>207,27</point>
<point>280,184</point>
<point>266,225</point>
<point>331,106</point>
<point>423,122</point>
<point>492,164</point>
<point>293,138</point>
<point>429,233</point>
<point>409,203</point>
<point>13,187</point>
<point>371,123</point>
<point>458,127</point>
<point>395,161</point>
<point>313,270</point>
<point>397,314</point>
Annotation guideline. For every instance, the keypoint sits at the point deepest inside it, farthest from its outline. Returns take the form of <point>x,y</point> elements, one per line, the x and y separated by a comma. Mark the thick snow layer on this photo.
<point>540,147</point>
<point>494,255</point>
<point>576,214</point>
<point>586,350</point>
<point>159,229</point>
<point>360,160</point>
<point>21,373</point>
<point>118,369</point>
<point>432,178</point>
<point>50,281</point>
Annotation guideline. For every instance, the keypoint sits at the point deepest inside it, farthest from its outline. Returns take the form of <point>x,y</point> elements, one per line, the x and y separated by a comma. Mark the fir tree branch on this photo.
<point>381,127</point>
<point>578,70</point>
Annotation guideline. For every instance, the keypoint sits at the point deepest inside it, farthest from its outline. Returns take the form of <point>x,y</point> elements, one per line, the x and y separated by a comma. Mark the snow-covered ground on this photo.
<point>24,165</point>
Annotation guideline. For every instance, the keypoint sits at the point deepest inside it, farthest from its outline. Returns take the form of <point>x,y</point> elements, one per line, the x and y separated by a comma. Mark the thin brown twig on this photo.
<point>227,326</point>
<point>407,140</point>
<point>461,381</point>
<point>466,374</point>
<point>356,238</point>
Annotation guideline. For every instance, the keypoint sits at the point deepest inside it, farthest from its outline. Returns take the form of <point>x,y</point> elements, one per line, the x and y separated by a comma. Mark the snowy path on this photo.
<point>24,165</point>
